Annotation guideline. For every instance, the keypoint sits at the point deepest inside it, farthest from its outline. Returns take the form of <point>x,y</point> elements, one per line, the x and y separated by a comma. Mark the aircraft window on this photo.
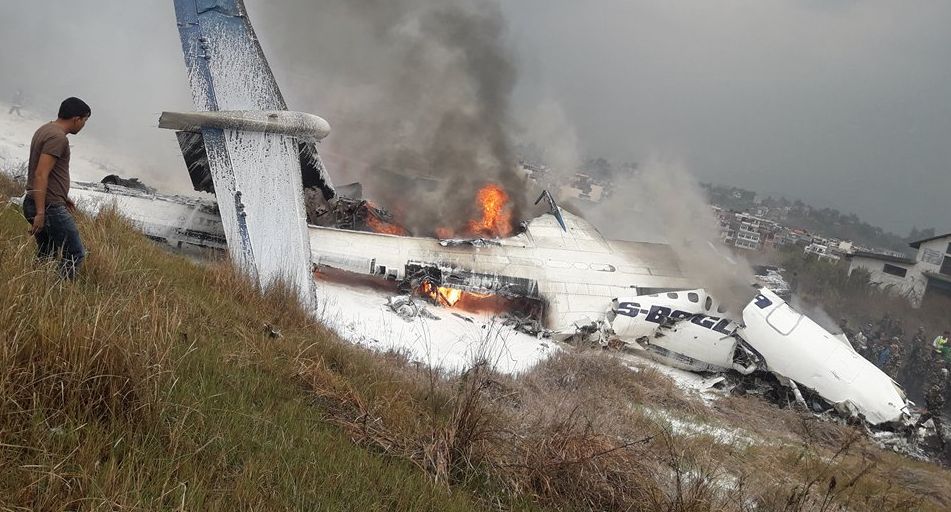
<point>721,309</point>
<point>707,304</point>
<point>672,295</point>
<point>784,319</point>
<point>693,297</point>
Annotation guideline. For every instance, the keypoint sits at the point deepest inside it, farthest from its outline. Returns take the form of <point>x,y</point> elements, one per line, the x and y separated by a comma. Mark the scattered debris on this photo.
<point>525,324</point>
<point>467,319</point>
<point>901,443</point>
<point>474,242</point>
<point>408,309</point>
<point>357,215</point>
<point>772,277</point>
<point>272,332</point>
<point>131,183</point>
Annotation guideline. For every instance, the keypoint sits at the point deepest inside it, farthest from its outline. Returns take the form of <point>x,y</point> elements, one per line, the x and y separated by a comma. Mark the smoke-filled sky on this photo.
<point>841,103</point>
<point>844,103</point>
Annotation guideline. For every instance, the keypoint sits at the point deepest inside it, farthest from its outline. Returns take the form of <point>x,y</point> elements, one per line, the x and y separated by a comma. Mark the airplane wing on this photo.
<point>255,169</point>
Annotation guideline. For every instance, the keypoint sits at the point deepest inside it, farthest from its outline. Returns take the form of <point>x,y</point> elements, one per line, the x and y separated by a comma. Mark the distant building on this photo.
<point>747,232</point>
<point>885,271</point>
<point>927,274</point>
<point>846,247</point>
<point>582,186</point>
<point>822,252</point>
<point>740,229</point>
<point>934,264</point>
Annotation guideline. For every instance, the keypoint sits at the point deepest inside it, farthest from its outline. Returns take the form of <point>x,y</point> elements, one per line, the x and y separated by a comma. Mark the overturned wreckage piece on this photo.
<point>685,329</point>
<point>181,222</point>
<point>688,330</point>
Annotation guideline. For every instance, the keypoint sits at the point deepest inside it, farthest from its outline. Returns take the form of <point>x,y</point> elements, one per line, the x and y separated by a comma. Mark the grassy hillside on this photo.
<point>154,383</point>
<point>151,384</point>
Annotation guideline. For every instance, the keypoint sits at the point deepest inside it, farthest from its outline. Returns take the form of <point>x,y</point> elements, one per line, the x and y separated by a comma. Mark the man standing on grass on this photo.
<point>47,206</point>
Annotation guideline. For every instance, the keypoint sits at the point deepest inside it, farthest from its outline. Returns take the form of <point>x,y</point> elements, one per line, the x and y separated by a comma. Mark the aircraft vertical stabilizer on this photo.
<point>256,171</point>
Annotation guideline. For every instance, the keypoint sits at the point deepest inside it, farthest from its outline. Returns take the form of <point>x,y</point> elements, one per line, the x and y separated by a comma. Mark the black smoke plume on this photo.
<point>419,93</point>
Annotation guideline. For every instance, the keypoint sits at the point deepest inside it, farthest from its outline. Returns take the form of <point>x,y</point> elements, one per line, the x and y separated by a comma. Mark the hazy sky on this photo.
<point>841,103</point>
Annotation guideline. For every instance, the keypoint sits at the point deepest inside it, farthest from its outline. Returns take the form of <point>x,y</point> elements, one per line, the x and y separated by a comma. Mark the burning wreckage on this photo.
<point>578,285</point>
<point>557,272</point>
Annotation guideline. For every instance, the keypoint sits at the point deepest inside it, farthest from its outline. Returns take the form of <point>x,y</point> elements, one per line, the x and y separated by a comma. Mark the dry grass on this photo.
<point>9,187</point>
<point>150,383</point>
<point>577,433</point>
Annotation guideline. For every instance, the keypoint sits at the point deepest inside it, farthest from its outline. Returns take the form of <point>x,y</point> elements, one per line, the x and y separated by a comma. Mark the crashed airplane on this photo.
<point>687,329</point>
<point>257,158</point>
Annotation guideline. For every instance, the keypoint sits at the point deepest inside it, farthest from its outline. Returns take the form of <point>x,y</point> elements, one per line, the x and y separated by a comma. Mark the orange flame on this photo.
<point>496,221</point>
<point>450,297</point>
<point>441,295</point>
<point>379,226</point>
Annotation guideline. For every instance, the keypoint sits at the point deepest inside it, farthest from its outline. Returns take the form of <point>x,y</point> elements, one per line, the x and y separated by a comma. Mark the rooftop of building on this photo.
<point>918,243</point>
<point>883,257</point>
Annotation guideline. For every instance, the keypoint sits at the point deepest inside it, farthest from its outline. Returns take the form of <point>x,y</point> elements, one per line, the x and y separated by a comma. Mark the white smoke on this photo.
<point>662,202</point>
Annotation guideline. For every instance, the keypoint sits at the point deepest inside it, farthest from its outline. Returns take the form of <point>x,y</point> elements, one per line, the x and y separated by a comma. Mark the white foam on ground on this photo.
<point>361,315</point>
<point>692,383</point>
<point>689,428</point>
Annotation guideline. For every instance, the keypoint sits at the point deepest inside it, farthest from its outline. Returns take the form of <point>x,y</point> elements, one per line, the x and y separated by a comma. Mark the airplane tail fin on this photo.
<point>554,208</point>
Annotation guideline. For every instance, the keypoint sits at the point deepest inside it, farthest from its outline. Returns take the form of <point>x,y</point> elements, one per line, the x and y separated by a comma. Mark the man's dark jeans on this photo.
<point>59,237</point>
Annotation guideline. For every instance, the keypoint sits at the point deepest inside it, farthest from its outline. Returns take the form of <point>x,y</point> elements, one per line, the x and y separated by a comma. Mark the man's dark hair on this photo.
<point>74,107</point>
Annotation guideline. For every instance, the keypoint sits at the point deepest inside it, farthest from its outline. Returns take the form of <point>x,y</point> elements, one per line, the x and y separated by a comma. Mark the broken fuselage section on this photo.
<point>688,330</point>
<point>793,346</point>
<point>572,274</point>
<point>685,329</point>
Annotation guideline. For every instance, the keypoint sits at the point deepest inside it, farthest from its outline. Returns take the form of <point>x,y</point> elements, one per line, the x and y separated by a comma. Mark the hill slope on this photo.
<point>151,384</point>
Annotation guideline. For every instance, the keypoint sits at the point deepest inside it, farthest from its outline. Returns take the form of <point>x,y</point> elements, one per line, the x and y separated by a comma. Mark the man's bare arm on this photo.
<point>40,182</point>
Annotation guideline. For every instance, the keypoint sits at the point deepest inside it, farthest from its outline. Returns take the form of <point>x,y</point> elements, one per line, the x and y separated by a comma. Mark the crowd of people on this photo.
<point>922,361</point>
